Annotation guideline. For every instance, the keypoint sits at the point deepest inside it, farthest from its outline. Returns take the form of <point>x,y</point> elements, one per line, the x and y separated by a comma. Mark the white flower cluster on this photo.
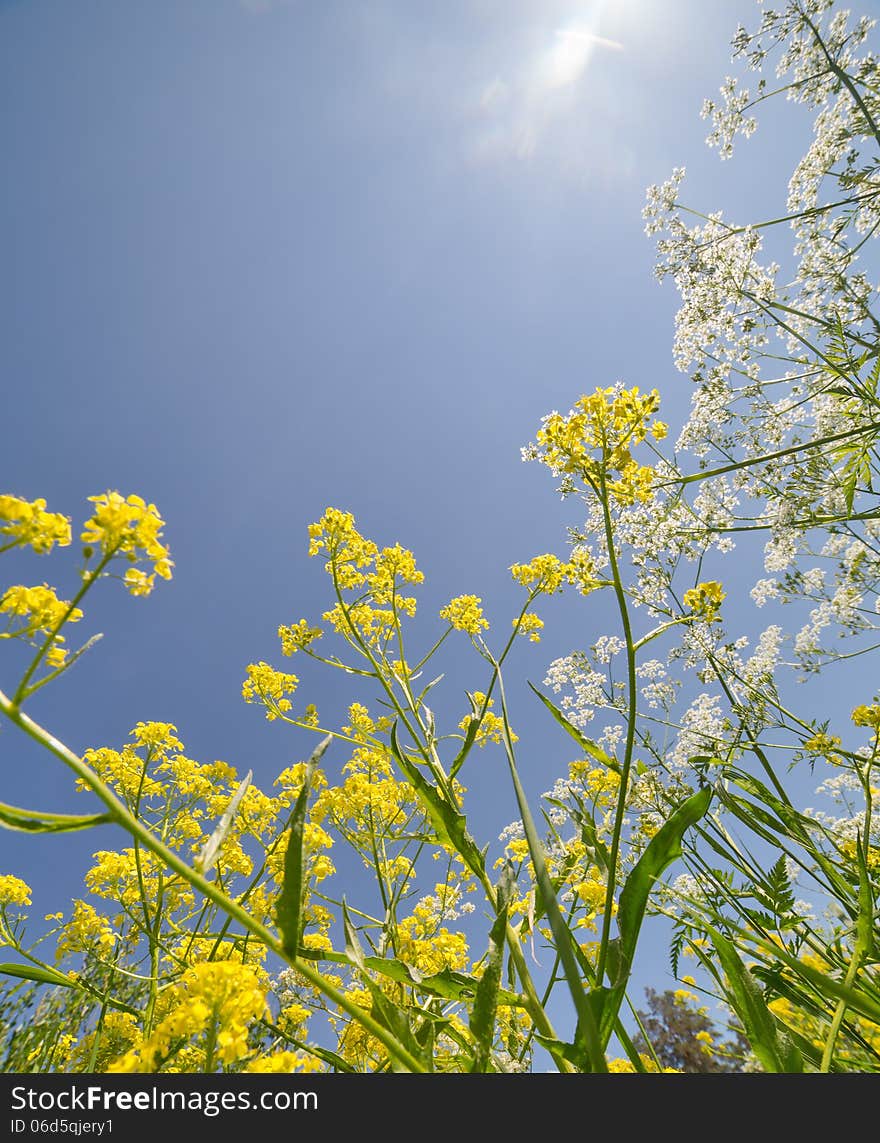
<point>702,732</point>
<point>586,689</point>
<point>728,117</point>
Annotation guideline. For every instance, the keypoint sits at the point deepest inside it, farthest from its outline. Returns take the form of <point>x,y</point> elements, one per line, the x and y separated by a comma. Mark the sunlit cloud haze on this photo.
<point>528,86</point>
<point>540,105</point>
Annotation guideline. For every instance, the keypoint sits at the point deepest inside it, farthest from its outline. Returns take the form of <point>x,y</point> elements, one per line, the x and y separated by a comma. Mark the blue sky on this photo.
<point>263,257</point>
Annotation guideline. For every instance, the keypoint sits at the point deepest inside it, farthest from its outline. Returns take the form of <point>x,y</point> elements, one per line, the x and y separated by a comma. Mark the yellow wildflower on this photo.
<point>546,572</point>
<point>821,743</point>
<point>285,1062</point>
<point>867,716</point>
<point>297,637</point>
<point>465,614</point>
<point>491,727</point>
<point>361,726</point>
<point>265,684</point>
<point>221,998</point>
<point>14,891</point>
<point>132,528</point>
<point>705,599</point>
<point>393,564</point>
<point>336,534</point>
<point>531,625</point>
<point>37,608</point>
<point>28,522</point>
<point>593,442</point>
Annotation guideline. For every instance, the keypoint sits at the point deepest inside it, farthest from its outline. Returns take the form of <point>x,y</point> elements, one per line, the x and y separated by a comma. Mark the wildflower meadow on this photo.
<point>349,914</point>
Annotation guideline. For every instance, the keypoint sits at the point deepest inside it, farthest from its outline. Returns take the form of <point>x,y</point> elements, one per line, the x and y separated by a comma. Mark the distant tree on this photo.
<point>683,1037</point>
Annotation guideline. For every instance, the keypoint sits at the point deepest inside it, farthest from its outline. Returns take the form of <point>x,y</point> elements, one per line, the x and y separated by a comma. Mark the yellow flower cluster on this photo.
<point>624,1067</point>
<point>181,798</point>
<point>14,891</point>
<point>220,998</point>
<point>491,727</point>
<point>859,1043</point>
<point>336,535</point>
<point>547,573</point>
<point>531,625</point>
<point>373,624</point>
<point>127,771</point>
<point>705,600</point>
<point>132,528</point>
<point>86,931</point>
<point>314,840</point>
<point>114,1035</point>
<point>28,522</point>
<point>425,942</point>
<point>266,685</point>
<point>850,852</point>
<point>595,439</point>
<point>123,876</point>
<point>591,893</point>
<point>356,562</point>
<point>433,951</point>
<point>393,564</point>
<point>362,725</point>
<point>370,800</point>
<point>465,614</point>
<point>291,780</point>
<point>867,716</point>
<point>821,743</point>
<point>297,636</point>
<point>285,1062</point>
<point>38,607</point>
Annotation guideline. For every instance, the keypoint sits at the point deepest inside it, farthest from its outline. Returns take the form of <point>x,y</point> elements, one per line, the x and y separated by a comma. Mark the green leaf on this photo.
<point>591,1055</point>
<point>779,889</point>
<point>31,821</point>
<point>865,922</point>
<point>773,1047</point>
<point>796,825</point>
<point>482,1020</point>
<point>663,848</point>
<point>58,980</point>
<point>384,1011</point>
<point>859,1001</point>
<point>40,975</point>
<point>446,984</point>
<point>558,1049</point>
<point>208,857</point>
<point>288,908</point>
<point>448,821</point>
<point>469,735</point>
<point>353,949</point>
<point>586,744</point>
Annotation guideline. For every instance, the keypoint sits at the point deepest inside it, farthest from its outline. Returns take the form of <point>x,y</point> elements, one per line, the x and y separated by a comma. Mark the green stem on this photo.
<point>839,1013</point>
<point>790,451</point>
<point>22,690</point>
<point>632,700</point>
